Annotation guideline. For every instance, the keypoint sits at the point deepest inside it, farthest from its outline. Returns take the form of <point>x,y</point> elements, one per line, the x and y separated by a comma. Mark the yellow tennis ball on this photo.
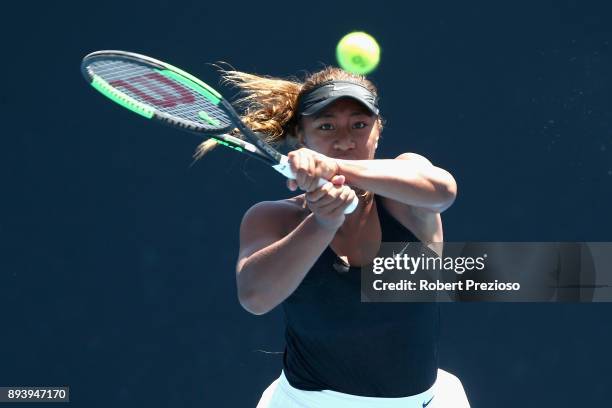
<point>358,52</point>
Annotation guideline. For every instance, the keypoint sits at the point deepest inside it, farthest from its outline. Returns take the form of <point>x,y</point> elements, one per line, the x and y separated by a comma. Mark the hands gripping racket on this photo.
<point>157,90</point>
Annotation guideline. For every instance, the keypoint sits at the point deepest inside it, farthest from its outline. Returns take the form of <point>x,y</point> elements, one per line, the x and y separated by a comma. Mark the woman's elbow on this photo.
<point>249,298</point>
<point>448,195</point>
<point>252,303</point>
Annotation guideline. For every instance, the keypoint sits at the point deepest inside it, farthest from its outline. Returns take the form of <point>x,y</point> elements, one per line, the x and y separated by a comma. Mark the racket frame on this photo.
<point>255,147</point>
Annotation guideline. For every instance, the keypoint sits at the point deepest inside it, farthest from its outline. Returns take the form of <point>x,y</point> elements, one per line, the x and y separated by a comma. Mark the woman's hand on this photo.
<point>310,166</point>
<point>329,202</point>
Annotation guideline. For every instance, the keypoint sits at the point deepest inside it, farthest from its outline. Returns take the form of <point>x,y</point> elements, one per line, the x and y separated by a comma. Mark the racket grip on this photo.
<point>284,168</point>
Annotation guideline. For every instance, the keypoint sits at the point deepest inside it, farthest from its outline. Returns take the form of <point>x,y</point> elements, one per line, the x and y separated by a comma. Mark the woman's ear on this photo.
<point>294,138</point>
<point>380,128</point>
<point>299,135</point>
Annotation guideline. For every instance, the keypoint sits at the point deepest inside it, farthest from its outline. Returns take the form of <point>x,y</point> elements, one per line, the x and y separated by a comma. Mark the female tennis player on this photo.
<point>304,253</point>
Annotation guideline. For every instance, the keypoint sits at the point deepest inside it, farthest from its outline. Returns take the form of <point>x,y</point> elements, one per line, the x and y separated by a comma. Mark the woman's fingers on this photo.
<point>321,196</point>
<point>338,180</point>
<point>292,184</point>
<point>329,202</point>
<point>309,166</point>
<point>328,198</point>
<point>322,191</point>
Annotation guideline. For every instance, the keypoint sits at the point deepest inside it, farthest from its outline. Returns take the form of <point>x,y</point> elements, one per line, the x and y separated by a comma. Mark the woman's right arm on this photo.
<point>271,263</point>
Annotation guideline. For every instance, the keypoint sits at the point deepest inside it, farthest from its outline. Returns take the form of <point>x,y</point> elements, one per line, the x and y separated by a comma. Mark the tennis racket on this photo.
<point>157,90</point>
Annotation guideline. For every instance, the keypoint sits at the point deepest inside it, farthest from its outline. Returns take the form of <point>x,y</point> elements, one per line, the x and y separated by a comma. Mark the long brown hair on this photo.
<point>270,104</point>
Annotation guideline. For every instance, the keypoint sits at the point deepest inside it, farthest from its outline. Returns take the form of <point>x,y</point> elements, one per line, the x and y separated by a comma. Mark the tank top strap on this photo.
<point>392,229</point>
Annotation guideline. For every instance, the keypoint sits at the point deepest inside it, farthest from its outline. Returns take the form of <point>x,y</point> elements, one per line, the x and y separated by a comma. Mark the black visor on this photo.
<point>322,96</point>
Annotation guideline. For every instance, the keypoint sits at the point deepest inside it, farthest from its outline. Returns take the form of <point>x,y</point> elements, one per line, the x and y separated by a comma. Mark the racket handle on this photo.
<point>284,169</point>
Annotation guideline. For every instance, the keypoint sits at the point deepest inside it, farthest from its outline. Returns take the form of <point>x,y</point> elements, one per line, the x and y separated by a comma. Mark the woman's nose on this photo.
<point>344,141</point>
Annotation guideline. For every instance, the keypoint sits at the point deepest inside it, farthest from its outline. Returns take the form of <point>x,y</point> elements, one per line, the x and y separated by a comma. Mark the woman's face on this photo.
<point>343,130</point>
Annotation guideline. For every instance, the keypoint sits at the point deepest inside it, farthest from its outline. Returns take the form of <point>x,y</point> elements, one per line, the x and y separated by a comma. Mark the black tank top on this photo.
<point>336,342</point>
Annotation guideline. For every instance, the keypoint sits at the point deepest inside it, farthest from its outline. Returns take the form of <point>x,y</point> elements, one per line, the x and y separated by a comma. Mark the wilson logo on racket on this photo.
<point>153,88</point>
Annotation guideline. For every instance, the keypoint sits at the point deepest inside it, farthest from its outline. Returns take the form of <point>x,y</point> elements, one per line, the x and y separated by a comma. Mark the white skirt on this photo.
<point>447,392</point>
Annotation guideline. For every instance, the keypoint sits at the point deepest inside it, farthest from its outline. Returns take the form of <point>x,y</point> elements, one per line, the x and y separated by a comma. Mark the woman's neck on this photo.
<point>356,220</point>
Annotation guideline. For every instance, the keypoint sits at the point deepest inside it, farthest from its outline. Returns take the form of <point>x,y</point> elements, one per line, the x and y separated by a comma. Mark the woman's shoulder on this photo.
<point>287,205</point>
<point>288,212</point>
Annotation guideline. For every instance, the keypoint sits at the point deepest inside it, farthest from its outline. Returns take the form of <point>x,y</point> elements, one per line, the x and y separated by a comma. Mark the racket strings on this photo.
<point>148,86</point>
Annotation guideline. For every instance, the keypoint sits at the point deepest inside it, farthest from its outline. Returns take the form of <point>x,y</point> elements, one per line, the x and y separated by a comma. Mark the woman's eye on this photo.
<point>360,125</point>
<point>326,126</point>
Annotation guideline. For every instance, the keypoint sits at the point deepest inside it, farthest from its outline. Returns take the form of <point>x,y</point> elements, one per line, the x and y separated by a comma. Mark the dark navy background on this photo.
<point>117,265</point>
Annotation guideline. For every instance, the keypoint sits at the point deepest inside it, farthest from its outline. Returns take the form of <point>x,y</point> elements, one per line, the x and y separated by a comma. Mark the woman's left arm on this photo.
<point>410,179</point>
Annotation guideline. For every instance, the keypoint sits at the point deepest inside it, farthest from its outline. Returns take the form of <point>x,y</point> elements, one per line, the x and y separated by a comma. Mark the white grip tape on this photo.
<point>284,169</point>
